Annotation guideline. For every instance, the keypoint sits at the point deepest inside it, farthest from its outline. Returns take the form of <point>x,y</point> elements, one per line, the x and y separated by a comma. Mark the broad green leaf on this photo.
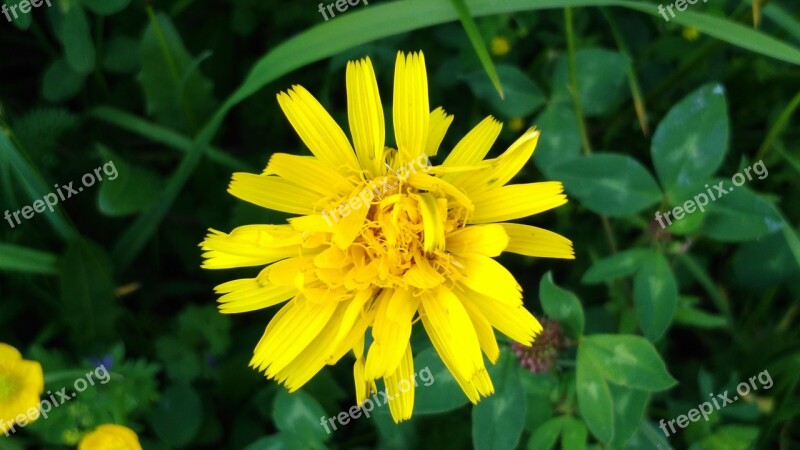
<point>691,141</point>
<point>619,265</point>
<point>602,76</point>
<point>732,437</point>
<point>76,38</point>
<point>15,258</point>
<point>560,139</point>
<point>655,294</point>
<point>523,96</point>
<point>574,434</point>
<point>561,305</point>
<point>443,395</point>
<point>177,93</point>
<point>105,7</point>
<point>177,417</point>
<point>378,21</point>
<point>87,292</point>
<point>60,82</point>
<point>497,421</point>
<point>627,360</point>
<point>133,189</point>
<point>740,215</point>
<point>648,437</point>
<point>608,183</point>
<point>594,396</point>
<point>299,413</point>
<point>478,44</point>
<point>629,409</point>
<point>546,435</point>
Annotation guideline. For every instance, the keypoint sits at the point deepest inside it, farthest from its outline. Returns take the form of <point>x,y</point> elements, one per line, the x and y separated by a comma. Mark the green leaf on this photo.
<point>299,414</point>
<point>279,441</point>
<point>655,294</point>
<point>740,215</point>
<point>133,190</point>
<point>27,260</point>
<point>608,183</point>
<point>498,420</point>
<point>177,93</point>
<point>546,435</point>
<point>602,76</point>
<point>87,292</point>
<point>121,55</point>
<point>177,417</point>
<point>443,395</point>
<point>594,396</point>
<point>732,437</point>
<point>691,141</point>
<point>561,305</point>
<point>775,263</point>
<point>560,139</point>
<point>478,44</point>
<point>619,265</point>
<point>627,360</point>
<point>648,437</point>
<point>574,434</point>
<point>687,314</point>
<point>60,82</point>
<point>523,96</point>
<point>629,409</point>
<point>105,7</point>
<point>76,38</point>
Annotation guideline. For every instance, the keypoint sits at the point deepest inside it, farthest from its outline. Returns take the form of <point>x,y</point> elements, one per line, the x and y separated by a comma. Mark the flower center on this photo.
<point>9,386</point>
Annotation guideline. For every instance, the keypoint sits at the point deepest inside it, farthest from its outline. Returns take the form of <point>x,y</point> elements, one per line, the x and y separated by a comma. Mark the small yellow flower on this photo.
<point>516,124</point>
<point>500,46</point>
<point>382,240</point>
<point>690,33</point>
<point>110,437</point>
<point>21,383</point>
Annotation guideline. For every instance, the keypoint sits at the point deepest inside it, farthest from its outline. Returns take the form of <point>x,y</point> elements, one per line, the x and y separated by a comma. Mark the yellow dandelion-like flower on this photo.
<point>21,383</point>
<point>110,437</point>
<point>500,46</point>
<point>383,239</point>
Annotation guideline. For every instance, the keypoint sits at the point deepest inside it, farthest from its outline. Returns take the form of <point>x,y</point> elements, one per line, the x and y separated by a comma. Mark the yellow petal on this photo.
<point>483,328</point>
<point>291,330</point>
<point>438,124</point>
<point>449,327</point>
<point>533,241</point>
<point>502,169</point>
<point>318,130</point>
<point>433,217</point>
<point>512,320</point>
<point>487,276</point>
<point>400,387</point>
<point>273,193</point>
<point>251,245</point>
<point>426,182</point>
<point>308,172</point>
<point>518,200</point>
<point>391,332</point>
<point>422,275</point>
<point>9,353</point>
<point>411,111</point>
<point>365,112</point>
<point>474,146</point>
<point>486,240</point>
<point>251,294</point>
<point>350,226</point>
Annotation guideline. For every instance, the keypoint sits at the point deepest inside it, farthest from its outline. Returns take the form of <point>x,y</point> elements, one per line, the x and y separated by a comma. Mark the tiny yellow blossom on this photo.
<point>110,437</point>
<point>500,46</point>
<point>690,33</point>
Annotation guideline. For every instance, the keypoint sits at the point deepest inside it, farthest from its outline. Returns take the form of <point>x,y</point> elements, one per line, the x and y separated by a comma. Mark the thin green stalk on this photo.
<point>573,82</point>
<point>700,275</point>
<point>778,126</point>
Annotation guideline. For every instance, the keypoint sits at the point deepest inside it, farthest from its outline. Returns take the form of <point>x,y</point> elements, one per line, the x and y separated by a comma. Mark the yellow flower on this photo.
<point>500,46</point>
<point>690,33</point>
<point>21,383</point>
<point>110,437</point>
<point>383,239</point>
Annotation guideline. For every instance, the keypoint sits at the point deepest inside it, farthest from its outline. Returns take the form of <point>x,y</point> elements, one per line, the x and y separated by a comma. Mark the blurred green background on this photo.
<point>637,115</point>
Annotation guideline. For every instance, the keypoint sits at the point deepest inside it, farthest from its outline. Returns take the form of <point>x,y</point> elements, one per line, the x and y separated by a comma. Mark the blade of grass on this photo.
<point>22,259</point>
<point>35,187</point>
<point>163,135</point>
<point>384,20</point>
<point>778,126</point>
<point>478,44</point>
